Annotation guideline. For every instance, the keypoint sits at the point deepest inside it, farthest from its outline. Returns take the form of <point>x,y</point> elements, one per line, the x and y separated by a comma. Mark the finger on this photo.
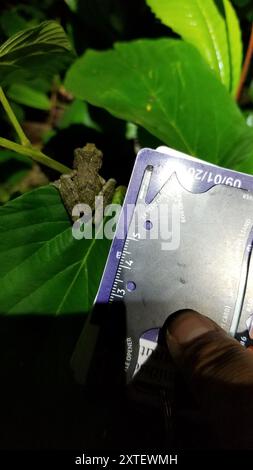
<point>219,372</point>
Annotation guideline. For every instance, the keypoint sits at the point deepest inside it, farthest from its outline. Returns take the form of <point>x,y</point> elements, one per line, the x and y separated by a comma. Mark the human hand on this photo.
<point>219,371</point>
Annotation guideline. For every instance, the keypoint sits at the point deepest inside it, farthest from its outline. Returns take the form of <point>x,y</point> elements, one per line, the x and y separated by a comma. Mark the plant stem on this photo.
<point>6,105</point>
<point>246,66</point>
<point>25,147</point>
<point>35,154</point>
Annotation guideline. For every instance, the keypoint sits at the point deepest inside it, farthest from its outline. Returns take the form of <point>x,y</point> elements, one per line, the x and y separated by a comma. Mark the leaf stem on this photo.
<point>35,154</point>
<point>246,66</point>
<point>6,105</point>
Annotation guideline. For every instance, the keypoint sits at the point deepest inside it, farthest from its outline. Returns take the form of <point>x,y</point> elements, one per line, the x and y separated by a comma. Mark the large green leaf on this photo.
<point>234,45</point>
<point>212,27</point>
<point>34,51</point>
<point>167,88</point>
<point>43,269</point>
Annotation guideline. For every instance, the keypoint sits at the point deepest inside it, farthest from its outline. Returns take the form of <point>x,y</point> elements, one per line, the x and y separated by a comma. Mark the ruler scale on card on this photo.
<point>181,242</point>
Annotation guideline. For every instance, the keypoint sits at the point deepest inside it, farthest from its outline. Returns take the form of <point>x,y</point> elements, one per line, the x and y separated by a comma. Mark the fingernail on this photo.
<point>187,326</point>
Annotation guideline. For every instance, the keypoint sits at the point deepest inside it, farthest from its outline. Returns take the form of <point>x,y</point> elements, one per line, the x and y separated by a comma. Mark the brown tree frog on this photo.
<point>84,183</point>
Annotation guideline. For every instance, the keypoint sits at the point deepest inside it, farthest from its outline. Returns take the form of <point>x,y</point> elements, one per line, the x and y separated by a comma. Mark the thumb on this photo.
<point>219,372</point>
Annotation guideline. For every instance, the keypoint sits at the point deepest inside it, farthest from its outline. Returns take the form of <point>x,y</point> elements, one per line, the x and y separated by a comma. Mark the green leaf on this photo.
<point>34,51</point>
<point>212,27</point>
<point>249,117</point>
<point>18,111</point>
<point>119,195</point>
<point>8,156</point>
<point>20,17</point>
<point>11,22</point>
<point>72,4</point>
<point>43,269</point>
<point>13,168</point>
<point>77,113</point>
<point>131,131</point>
<point>28,96</point>
<point>167,88</point>
<point>234,46</point>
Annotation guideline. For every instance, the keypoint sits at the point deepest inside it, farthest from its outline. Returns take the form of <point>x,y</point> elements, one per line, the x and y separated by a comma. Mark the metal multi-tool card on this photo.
<point>183,241</point>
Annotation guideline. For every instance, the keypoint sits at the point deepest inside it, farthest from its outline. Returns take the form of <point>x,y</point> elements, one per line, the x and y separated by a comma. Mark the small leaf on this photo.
<point>9,155</point>
<point>212,27</point>
<point>77,113</point>
<point>28,96</point>
<point>249,118</point>
<point>43,269</point>
<point>13,168</point>
<point>20,17</point>
<point>131,131</point>
<point>167,88</point>
<point>72,4</point>
<point>11,22</point>
<point>119,195</point>
<point>18,111</point>
<point>33,51</point>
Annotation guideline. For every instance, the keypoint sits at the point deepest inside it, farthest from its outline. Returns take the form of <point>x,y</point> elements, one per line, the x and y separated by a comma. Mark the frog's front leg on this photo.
<point>105,198</point>
<point>71,198</point>
<point>68,192</point>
